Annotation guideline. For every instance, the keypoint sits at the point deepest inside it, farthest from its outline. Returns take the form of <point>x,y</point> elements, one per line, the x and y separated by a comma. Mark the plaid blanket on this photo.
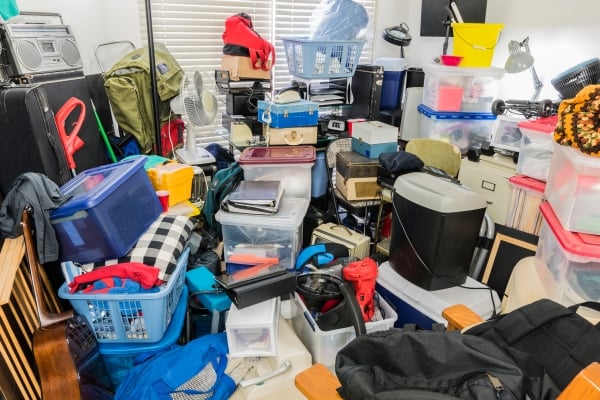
<point>160,246</point>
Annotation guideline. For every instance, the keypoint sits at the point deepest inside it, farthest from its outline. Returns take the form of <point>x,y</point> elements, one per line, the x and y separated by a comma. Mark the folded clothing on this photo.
<point>123,278</point>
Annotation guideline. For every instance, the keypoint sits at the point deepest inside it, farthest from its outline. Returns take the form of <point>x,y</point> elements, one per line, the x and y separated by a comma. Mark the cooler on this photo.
<point>288,115</point>
<point>291,165</point>
<point>371,138</point>
<point>394,70</point>
<point>257,237</point>
<point>465,130</point>
<point>111,206</point>
<point>572,258</point>
<point>535,153</point>
<point>415,305</point>
<point>435,229</point>
<point>573,189</point>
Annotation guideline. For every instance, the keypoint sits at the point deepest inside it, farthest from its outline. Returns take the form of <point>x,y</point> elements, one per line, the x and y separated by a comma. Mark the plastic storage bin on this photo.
<point>460,89</point>
<point>573,189</point>
<point>119,358</point>
<point>465,130</point>
<point>130,317</point>
<point>175,178</point>
<point>524,211</point>
<point>292,165</point>
<point>394,71</point>
<point>252,332</point>
<point>324,345</point>
<point>573,258</point>
<point>110,208</point>
<point>416,305</point>
<point>535,152</point>
<point>506,133</point>
<point>277,235</point>
<point>314,59</point>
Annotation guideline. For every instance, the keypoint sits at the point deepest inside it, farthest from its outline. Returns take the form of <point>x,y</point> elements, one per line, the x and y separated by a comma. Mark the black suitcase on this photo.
<point>29,140</point>
<point>366,89</point>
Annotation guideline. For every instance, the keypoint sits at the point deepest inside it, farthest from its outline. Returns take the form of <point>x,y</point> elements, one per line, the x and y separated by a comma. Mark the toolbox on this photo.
<point>371,138</point>
<point>301,135</point>
<point>356,176</point>
<point>288,115</point>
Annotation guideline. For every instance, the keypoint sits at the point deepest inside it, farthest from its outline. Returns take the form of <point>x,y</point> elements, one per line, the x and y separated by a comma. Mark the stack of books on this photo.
<point>254,197</point>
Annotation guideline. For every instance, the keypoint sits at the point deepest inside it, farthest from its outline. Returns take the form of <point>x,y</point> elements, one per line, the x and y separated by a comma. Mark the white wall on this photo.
<point>559,36</point>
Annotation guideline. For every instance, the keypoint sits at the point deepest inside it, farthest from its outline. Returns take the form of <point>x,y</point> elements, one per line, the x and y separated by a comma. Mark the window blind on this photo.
<point>192,30</point>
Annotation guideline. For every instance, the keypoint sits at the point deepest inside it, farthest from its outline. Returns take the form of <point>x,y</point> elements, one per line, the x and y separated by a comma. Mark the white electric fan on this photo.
<point>197,105</point>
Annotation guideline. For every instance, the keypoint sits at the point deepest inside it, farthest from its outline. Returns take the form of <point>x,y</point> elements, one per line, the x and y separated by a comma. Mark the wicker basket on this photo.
<point>571,81</point>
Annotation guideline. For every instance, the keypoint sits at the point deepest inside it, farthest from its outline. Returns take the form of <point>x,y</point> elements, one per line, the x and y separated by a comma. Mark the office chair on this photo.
<point>361,208</point>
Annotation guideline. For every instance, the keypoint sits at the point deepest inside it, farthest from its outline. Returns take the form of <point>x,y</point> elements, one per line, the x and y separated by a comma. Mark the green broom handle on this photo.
<point>111,153</point>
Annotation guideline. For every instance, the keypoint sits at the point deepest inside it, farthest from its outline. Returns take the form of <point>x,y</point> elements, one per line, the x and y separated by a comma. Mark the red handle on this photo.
<point>70,141</point>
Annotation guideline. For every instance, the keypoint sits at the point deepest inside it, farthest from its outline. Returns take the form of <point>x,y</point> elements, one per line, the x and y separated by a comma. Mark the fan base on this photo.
<point>199,157</point>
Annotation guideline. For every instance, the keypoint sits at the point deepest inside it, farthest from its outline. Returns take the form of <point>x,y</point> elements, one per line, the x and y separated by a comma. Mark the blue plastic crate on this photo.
<point>314,59</point>
<point>119,358</point>
<point>130,317</point>
<point>110,207</point>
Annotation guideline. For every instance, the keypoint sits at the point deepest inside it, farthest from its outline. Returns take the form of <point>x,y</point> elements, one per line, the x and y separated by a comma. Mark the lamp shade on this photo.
<point>518,62</point>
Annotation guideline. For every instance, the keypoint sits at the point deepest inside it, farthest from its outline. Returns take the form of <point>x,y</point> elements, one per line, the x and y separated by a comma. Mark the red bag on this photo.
<point>241,39</point>
<point>171,135</point>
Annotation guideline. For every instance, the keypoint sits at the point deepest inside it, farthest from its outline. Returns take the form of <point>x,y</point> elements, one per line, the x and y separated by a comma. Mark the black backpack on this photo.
<point>421,364</point>
<point>548,334</point>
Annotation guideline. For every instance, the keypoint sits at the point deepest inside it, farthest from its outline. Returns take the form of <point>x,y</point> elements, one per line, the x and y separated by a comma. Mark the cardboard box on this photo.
<point>241,68</point>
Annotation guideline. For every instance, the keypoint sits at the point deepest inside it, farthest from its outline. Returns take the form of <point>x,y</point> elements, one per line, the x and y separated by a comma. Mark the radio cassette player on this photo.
<point>31,49</point>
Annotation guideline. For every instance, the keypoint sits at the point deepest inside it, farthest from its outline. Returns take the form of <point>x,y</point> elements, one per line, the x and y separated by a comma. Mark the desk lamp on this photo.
<point>398,35</point>
<point>519,60</point>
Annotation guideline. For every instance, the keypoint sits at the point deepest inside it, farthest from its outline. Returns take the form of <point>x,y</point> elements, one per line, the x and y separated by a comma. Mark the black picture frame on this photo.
<point>509,246</point>
<point>433,15</point>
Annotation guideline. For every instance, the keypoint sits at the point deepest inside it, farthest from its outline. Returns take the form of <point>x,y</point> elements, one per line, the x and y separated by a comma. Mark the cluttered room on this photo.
<point>304,199</point>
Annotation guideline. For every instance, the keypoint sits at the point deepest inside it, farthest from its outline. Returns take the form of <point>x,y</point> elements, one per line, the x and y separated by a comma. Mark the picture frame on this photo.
<point>509,246</point>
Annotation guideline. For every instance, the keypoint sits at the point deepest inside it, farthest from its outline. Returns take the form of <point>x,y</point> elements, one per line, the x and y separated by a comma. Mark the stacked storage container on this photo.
<point>456,104</point>
<point>570,233</point>
<point>292,123</point>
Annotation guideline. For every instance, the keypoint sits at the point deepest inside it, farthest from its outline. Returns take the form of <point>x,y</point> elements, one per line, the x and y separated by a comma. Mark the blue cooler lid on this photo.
<point>428,112</point>
<point>90,187</point>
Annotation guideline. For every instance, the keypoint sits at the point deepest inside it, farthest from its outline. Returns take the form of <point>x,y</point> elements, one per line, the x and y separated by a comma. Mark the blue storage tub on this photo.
<point>111,206</point>
<point>288,115</point>
<point>119,358</point>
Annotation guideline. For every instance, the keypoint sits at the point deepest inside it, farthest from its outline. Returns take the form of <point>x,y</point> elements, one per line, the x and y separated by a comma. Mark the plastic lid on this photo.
<point>428,112</point>
<point>542,125</point>
<point>391,63</point>
<point>438,69</point>
<point>290,215</point>
<point>582,244</point>
<point>528,183</point>
<point>278,155</point>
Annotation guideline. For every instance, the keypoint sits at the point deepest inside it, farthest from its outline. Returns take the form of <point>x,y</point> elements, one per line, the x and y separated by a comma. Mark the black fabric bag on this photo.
<point>548,334</point>
<point>400,364</point>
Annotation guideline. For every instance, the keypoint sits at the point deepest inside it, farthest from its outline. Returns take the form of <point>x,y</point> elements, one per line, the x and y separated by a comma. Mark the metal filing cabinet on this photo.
<point>489,177</point>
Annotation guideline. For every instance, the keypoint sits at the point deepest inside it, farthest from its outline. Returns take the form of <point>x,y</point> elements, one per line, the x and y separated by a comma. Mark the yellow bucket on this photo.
<point>475,43</point>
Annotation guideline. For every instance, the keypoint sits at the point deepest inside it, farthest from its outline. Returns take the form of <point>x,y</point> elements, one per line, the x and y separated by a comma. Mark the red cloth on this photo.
<point>146,275</point>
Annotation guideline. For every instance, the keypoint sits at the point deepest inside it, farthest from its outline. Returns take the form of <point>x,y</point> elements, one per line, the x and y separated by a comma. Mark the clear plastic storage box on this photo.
<point>573,189</point>
<point>324,345</point>
<point>460,89</point>
<point>110,207</point>
<point>572,258</point>
<point>248,237</point>
<point>252,332</point>
<point>464,129</point>
<point>506,133</point>
<point>535,153</point>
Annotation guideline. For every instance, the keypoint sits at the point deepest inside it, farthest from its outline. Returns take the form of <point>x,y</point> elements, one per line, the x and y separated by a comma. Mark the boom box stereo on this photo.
<point>32,49</point>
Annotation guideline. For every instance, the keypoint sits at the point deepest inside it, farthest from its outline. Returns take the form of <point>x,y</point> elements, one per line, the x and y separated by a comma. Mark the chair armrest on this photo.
<point>318,383</point>
<point>585,385</point>
<point>460,316</point>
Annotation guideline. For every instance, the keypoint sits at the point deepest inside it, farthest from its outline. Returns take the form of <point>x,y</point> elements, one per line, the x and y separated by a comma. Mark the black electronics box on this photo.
<point>243,103</point>
<point>262,290</point>
<point>366,90</point>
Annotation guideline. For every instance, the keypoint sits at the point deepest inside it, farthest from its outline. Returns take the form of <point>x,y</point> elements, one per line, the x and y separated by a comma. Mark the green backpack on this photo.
<point>129,90</point>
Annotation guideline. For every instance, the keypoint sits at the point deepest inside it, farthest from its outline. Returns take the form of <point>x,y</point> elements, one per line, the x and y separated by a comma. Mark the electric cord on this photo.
<point>424,264</point>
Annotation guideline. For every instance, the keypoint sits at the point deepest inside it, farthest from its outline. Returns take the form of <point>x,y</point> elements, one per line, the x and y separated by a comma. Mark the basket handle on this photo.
<point>475,46</point>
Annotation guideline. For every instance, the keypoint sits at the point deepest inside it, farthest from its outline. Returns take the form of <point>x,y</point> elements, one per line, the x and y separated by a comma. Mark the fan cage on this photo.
<point>570,82</point>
